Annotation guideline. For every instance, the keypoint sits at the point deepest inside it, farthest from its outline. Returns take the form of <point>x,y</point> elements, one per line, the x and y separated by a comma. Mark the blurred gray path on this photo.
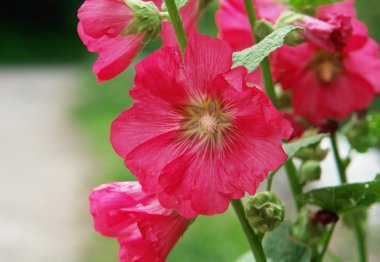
<point>44,169</point>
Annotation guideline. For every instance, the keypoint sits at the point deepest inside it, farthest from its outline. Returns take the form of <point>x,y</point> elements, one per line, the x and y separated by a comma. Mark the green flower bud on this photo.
<point>310,170</point>
<point>312,153</point>
<point>262,29</point>
<point>363,131</point>
<point>147,19</point>
<point>265,211</point>
<point>305,230</point>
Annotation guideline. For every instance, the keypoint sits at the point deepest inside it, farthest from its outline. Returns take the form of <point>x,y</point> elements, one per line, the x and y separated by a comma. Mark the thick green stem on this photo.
<point>360,240</point>
<point>253,239</point>
<point>176,21</point>
<point>338,160</point>
<point>357,227</point>
<point>268,81</point>
<point>295,186</point>
<point>250,9</point>
<point>265,64</point>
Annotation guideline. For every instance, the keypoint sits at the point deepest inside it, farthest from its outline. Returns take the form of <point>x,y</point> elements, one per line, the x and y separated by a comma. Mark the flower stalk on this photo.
<point>252,237</point>
<point>265,64</point>
<point>269,88</point>
<point>295,186</point>
<point>176,21</point>
<point>325,244</point>
<point>357,227</point>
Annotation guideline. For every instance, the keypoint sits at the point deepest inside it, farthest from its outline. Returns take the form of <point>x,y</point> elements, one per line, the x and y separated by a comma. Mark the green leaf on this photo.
<point>178,3</point>
<point>311,3</point>
<point>254,55</point>
<point>278,247</point>
<point>344,198</point>
<point>293,147</point>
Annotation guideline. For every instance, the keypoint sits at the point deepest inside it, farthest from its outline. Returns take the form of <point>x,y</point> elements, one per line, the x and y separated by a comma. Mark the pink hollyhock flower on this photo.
<point>331,85</point>
<point>144,229</point>
<point>196,134</point>
<point>332,34</point>
<point>103,28</point>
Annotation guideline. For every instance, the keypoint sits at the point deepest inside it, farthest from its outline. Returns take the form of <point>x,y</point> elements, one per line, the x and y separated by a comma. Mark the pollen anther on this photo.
<point>208,123</point>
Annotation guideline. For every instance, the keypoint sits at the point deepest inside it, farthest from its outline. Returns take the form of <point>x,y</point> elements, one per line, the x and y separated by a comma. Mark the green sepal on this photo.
<point>262,29</point>
<point>146,20</point>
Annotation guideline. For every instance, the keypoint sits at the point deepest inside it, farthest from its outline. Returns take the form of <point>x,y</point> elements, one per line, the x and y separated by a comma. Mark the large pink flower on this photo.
<point>196,134</point>
<point>331,85</point>
<point>102,25</point>
<point>144,229</point>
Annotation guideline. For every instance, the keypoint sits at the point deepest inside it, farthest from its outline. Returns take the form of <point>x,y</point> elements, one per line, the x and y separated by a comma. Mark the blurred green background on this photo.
<point>31,34</point>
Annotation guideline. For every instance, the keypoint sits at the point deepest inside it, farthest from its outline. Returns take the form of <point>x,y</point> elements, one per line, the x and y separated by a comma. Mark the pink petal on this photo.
<point>115,54</point>
<point>148,159</point>
<point>104,17</point>
<point>341,8</point>
<point>144,229</point>
<point>366,63</point>
<point>205,58</point>
<point>345,94</point>
<point>153,112</point>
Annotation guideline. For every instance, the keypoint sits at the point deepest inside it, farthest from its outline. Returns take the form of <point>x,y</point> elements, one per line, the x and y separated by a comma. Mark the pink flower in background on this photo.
<point>233,25</point>
<point>102,25</point>
<point>196,134</point>
<point>331,85</point>
<point>144,229</point>
<point>232,21</point>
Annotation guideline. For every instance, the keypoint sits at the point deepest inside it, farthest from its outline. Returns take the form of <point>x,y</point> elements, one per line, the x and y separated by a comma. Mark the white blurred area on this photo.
<point>44,169</point>
<point>363,168</point>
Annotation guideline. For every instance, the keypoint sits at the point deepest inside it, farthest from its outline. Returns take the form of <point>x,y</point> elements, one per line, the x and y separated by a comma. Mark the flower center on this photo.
<point>327,66</point>
<point>206,120</point>
<point>208,123</point>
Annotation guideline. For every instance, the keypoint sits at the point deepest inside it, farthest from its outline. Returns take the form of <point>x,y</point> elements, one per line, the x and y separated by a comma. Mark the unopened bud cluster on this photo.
<point>265,211</point>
